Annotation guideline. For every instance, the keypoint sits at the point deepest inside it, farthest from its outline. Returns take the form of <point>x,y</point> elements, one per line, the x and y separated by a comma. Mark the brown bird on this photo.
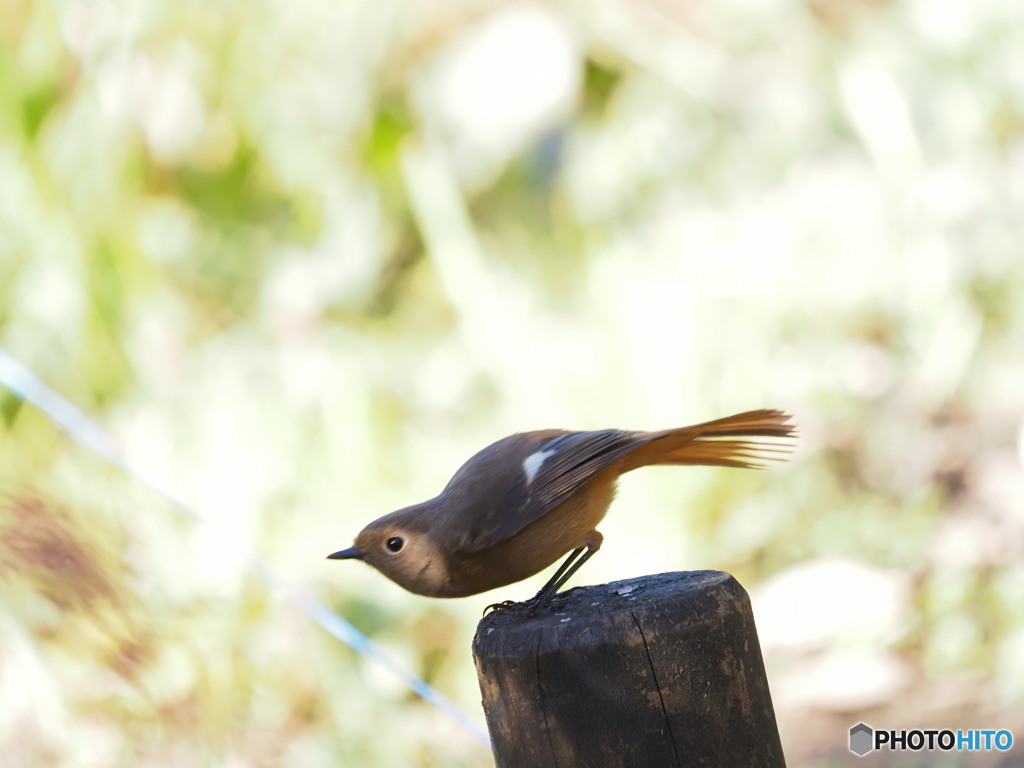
<point>520,504</point>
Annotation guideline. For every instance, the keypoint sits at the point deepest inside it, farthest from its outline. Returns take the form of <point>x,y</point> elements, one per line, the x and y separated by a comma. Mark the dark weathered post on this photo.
<point>658,671</point>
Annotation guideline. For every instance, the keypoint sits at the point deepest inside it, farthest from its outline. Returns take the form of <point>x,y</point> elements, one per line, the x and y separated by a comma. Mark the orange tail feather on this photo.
<point>728,442</point>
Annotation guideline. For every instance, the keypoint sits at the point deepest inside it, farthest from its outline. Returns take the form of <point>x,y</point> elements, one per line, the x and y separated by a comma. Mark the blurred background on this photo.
<point>301,260</point>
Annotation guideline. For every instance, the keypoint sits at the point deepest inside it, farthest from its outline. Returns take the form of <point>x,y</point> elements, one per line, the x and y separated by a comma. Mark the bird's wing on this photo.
<point>558,467</point>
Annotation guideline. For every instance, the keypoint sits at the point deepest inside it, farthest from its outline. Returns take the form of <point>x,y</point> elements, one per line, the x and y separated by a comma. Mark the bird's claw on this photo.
<point>505,605</point>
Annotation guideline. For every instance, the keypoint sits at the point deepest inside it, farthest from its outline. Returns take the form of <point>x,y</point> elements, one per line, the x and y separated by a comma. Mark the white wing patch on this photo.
<point>532,463</point>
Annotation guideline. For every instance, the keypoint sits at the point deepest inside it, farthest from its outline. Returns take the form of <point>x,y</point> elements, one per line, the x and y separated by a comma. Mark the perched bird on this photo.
<point>521,503</point>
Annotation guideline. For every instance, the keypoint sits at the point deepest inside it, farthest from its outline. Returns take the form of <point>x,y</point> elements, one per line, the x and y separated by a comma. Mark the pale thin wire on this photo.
<point>30,388</point>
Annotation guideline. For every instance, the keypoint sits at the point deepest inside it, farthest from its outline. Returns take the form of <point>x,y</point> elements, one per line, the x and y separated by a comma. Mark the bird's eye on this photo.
<point>394,544</point>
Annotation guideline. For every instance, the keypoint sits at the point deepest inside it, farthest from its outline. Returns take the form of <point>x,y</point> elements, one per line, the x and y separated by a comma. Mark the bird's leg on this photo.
<point>551,586</point>
<point>562,574</point>
<point>565,572</point>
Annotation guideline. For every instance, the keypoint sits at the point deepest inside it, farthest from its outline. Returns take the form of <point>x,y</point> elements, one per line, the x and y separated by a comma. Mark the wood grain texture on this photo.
<point>662,670</point>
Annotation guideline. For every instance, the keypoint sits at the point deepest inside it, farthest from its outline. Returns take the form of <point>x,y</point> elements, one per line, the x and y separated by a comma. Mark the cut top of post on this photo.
<point>643,593</point>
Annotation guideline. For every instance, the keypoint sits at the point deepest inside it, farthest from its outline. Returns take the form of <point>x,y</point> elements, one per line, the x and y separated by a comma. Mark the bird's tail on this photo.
<point>754,439</point>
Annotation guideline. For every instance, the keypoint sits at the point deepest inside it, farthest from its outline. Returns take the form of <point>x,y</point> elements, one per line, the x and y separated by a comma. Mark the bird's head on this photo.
<point>402,550</point>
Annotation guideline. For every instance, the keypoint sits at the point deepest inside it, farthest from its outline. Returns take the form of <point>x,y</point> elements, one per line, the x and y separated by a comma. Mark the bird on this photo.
<point>523,502</point>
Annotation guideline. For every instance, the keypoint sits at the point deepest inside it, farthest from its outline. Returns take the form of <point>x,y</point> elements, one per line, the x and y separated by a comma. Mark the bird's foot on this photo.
<point>566,593</point>
<point>533,604</point>
<point>508,605</point>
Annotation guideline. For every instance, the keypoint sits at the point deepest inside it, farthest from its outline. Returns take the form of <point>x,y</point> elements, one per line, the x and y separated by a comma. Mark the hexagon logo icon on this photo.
<point>861,739</point>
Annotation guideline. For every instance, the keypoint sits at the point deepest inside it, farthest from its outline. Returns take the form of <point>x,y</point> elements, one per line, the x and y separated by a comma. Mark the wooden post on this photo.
<point>658,671</point>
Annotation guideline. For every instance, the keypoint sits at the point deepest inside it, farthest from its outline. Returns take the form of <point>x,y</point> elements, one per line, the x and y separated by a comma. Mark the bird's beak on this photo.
<point>347,554</point>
